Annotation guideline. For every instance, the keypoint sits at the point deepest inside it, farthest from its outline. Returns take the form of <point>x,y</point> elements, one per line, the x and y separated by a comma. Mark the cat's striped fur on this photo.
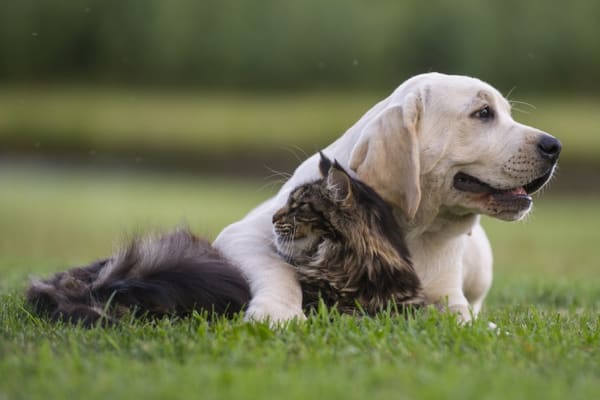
<point>346,245</point>
<point>169,274</point>
<point>339,234</point>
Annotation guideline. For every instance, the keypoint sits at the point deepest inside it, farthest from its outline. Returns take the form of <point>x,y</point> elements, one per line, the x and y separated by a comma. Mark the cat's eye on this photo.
<point>299,205</point>
<point>304,207</point>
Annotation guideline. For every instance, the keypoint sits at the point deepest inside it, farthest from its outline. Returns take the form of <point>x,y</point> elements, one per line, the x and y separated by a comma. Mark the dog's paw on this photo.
<point>273,312</point>
<point>463,313</point>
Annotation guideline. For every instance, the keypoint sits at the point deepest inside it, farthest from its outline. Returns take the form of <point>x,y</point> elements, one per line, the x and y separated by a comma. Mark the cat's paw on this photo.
<point>276,313</point>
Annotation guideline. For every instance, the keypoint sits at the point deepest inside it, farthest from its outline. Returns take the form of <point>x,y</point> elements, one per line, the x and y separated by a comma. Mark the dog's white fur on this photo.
<point>408,148</point>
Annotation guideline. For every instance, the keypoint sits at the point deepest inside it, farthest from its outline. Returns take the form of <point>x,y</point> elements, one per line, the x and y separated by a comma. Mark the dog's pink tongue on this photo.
<point>518,191</point>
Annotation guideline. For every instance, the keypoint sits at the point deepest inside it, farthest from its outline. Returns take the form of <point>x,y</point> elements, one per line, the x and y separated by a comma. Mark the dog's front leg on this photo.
<point>276,292</point>
<point>441,271</point>
<point>457,303</point>
<point>449,297</point>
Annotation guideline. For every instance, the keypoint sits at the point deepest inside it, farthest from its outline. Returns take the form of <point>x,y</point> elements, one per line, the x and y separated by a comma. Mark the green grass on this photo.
<point>546,300</point>
<point>54,216</point>
<point>95,120</point>
<point>536,355</point>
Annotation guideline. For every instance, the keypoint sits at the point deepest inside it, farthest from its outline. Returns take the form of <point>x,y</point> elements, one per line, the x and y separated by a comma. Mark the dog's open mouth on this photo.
<point>515,198</point>
<point>467,183</point>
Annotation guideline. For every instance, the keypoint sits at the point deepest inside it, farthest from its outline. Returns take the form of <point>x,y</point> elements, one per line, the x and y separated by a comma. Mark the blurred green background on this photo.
<point>301,44</point>
<point>118,116</point>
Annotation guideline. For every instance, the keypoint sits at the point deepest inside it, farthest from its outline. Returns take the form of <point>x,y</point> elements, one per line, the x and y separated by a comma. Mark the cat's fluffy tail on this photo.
<point>171,274</point>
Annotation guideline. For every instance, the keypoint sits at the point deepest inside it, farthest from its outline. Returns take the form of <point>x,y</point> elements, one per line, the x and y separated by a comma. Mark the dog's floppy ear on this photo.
<point>386,156</point>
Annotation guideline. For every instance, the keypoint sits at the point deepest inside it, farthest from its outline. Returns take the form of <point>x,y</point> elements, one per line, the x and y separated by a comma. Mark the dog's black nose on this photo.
<point>549,148</point>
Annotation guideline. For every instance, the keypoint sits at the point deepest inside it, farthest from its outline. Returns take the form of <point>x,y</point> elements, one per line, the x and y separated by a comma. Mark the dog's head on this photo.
<point>451,140</point>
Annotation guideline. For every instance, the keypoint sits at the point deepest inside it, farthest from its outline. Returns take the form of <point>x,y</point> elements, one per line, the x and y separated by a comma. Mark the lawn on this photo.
<point>546,301</point>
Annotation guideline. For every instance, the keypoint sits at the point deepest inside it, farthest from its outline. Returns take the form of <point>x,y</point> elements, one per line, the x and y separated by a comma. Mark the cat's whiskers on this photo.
<point>275,179</point>
<point>278,174</point>
<point>283,240</point>
<point>342,247</point>
<point>291,241</point>
<point>288,247</point>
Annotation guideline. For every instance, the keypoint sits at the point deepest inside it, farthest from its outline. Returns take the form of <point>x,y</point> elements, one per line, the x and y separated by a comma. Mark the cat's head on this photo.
<point>335,208</point>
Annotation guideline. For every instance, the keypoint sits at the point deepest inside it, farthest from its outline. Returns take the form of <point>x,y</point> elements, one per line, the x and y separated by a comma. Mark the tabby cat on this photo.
<point>338,233</point>
<point>170,274</point>
<point>345,244</point>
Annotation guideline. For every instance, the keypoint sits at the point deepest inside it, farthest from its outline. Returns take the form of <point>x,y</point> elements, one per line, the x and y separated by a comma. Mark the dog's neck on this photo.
<point>434,220</point>
<point>442,224</point>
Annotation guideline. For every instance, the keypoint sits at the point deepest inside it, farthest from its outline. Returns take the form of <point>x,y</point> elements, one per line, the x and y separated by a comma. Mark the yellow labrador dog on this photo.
<point>442,149</point>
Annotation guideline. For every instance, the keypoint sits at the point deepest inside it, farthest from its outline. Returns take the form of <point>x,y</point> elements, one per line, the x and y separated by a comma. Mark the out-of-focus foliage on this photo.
<point>211,124</point>
<point>532,44</point>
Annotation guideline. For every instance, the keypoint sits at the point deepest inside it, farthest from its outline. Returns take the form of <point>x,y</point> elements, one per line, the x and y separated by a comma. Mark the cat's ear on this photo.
<point>339,183</point>
<point>386,155</point>
<point>324,165</point>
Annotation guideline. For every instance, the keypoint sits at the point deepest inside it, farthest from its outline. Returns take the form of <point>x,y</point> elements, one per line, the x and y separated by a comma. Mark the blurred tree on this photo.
<point>274,44</point>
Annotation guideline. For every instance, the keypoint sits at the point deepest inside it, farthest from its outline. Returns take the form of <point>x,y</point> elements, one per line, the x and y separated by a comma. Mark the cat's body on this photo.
<point>338,233</point>
<point>346,245</point>
<point>170,274</point>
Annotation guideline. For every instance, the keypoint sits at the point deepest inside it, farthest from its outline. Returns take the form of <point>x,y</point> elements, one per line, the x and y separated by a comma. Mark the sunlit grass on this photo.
<point>545,301</point>
<point>534,354</point>
<point>558,240</point>
<point>60,215</point>
<point>56,217</point>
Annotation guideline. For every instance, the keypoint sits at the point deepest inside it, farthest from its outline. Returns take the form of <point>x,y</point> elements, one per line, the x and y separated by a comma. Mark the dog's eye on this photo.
<point>485,113</point>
